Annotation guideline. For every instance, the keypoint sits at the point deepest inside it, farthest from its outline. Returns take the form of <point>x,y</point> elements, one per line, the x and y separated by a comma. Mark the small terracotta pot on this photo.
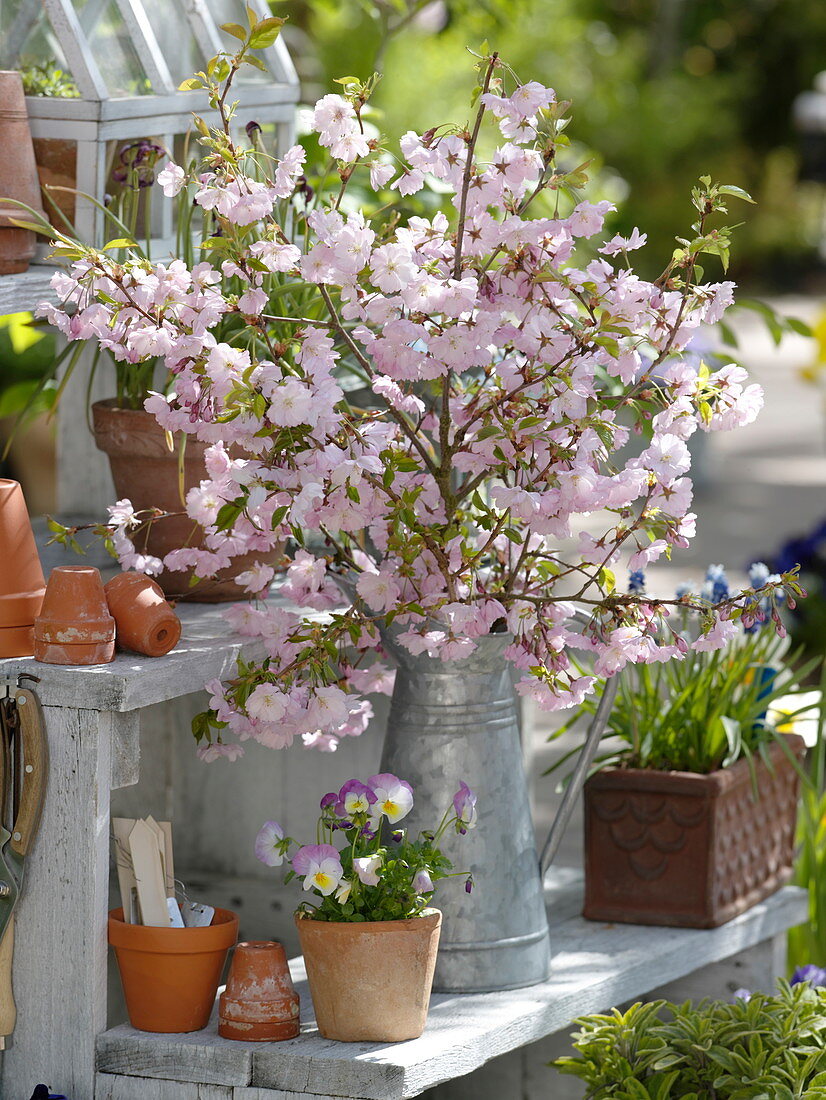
<point>21,578</point>
<point>18,176</point>
<point>74,626</point>
<point>144,621</point>
<point>145,471</point>
<point>259,1004</point>
<point>371,982</point>
<point>170,975</point>
<point>688,850</point>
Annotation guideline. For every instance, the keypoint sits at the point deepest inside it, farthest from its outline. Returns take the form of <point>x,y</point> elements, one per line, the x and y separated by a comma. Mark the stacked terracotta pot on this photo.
<point>18,176</point>
<point>21,578</point>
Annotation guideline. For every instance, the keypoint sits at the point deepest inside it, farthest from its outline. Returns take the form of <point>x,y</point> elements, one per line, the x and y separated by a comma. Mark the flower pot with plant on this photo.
<point>373,916</point>
<point>499,340</point>
<point>690,813</point>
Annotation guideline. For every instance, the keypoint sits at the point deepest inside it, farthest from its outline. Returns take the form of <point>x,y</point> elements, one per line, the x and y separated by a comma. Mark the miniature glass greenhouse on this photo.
<point>101,73</point>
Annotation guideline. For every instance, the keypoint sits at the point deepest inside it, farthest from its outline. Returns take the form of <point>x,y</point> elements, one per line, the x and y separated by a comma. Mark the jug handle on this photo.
<point>580,774</point>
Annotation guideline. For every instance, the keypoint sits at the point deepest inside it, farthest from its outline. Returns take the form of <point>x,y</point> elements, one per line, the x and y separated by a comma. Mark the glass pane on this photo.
<point>28,43</point>
<point>175,37</point>
<point>112,47</point>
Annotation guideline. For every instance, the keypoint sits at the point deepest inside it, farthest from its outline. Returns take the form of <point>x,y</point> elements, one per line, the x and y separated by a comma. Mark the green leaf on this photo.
<point>191,84</point>
<point>120,242</point>
<point>736,192</point>
<point>236,30</point>
<point>263,34</point>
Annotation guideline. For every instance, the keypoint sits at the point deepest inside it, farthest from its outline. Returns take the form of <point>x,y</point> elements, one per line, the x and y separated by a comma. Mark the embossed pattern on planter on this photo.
<point>690,850</point>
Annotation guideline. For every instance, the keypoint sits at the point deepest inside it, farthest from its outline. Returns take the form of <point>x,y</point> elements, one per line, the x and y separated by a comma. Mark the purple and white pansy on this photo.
<point>364,880</point>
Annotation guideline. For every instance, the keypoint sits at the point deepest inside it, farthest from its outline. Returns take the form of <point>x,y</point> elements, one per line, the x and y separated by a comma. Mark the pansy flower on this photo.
<point>320,867</point>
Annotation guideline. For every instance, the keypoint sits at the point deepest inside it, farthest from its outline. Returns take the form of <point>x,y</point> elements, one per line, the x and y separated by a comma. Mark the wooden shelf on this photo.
<point>21,293</point>
<point>594,967</point>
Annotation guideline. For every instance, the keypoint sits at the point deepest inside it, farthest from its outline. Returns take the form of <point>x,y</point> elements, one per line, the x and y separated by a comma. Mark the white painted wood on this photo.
<point>60,949</point>
<point>21,293</point>
<point>84,482</point>
<point>126,749</point>
<point>594,966</point>
<point>206,649</point>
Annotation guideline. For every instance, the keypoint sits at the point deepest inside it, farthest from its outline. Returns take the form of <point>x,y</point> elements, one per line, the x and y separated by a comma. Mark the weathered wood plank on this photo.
<point>594,966</point>
<point>126,749</point>
<point>202,1057</point>
<point>60,949</point>
<point>111,1087</point>
<point>206,649</point>
<point>20,293</point>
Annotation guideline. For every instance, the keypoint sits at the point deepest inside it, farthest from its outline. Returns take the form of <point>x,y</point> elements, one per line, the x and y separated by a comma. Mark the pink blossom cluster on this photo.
<point>505,359</point>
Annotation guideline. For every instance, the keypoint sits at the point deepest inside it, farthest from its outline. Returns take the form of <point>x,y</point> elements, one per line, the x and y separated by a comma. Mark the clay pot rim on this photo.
<point>654,779</point>
<point>221,934</point>
<point>428,917</point>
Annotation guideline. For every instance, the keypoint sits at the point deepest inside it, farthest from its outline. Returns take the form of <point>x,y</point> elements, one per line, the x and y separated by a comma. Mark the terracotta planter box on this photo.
<point>674,848</point>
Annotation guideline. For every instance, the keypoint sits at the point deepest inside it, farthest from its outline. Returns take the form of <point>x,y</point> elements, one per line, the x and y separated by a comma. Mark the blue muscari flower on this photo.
<point>684,589</point>
<point>636,582</point>
<point>758,574</point>
<point>716,587</point>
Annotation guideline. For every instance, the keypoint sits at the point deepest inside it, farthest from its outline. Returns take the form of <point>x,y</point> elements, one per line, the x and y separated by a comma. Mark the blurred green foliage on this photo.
<point>662,91</point>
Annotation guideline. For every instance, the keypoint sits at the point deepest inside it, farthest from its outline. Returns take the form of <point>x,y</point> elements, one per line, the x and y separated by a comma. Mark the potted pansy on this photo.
<point>690,809</point>
<point>370,914</point>
<point>503,351</point>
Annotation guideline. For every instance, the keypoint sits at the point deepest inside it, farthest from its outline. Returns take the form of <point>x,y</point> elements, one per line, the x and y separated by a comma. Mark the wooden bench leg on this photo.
<point>61,949</point>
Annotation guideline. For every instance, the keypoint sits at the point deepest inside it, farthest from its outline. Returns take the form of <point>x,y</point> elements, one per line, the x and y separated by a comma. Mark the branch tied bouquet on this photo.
<point>368,879</point>
<point>504,357</point>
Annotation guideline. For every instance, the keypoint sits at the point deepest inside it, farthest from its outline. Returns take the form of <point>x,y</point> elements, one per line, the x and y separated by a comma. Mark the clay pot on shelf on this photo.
<point>144,621</point>
<point>74,626</point>
<point>146,472</point>
<point>259,1004</point>
<point>22,584</point>
<point>18,176</point>
<point>688,850</point>
<point>394,961</point>
<point>57,167</point>
<point>170,976</point>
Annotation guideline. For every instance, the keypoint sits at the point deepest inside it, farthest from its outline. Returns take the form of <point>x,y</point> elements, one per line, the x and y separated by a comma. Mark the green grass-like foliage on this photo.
<point>701,713</point>
<point>766,1048</point>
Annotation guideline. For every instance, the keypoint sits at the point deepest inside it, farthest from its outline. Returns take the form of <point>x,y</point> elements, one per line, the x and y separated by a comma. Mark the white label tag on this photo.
<point>197,916</point>
<point>175,918</point>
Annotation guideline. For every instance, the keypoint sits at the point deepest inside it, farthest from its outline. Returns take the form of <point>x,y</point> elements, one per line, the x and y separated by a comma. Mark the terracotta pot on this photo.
<point>371,982</point>
<point>21,578</point>
<point>144,621</point>
<point>170,975</point>
<point>146,472</point>
<point>74,626</point>
<point>259,1004</point>
<point>693,851</point>
<point>57,167</point>
<point>18,176</point>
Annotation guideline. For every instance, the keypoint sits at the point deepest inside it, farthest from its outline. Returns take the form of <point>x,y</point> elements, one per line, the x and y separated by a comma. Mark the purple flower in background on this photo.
<point>742,995</point>
<point>422,882</point>
<point>354,798</point>
<point>464,803</point>
<point>814,975</point>
<point>636,582</point>
<point>469,884</point>
<point>329,799</point>
<point>268,846</point>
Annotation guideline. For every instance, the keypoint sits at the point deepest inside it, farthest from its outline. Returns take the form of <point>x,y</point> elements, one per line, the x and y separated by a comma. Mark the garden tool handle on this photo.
<point>36,768</point>
<point>8,1009</point>
<point>585,759</point>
